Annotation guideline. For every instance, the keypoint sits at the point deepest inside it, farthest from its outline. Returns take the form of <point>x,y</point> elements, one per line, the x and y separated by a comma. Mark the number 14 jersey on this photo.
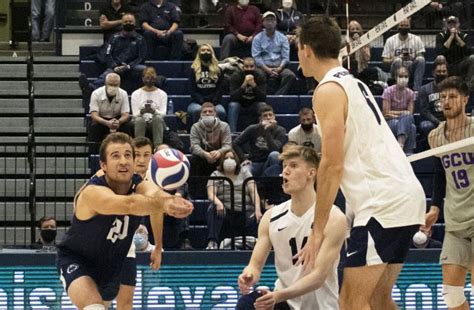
<point>288,234</point>
<point>378,181</point>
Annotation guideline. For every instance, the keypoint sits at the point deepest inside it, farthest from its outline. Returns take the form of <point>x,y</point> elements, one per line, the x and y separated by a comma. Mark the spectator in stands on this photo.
<point>408,50</point>
<point>428,101</point>
<point>206,83</point>
<point>210,138</point>
<point>207,6</point>
<point>288,18</point>
<point>242,23</point>
<point>222,221</point>
<point>109,108</point>
<point>264,141</point>
<point>125,55</point>
<point>160,20</point>
<point>43,34</point>
<point>48,232</point>
<point>149,104</point>
<point>398,110</point>
<point>110,17</point>
<point>247,94</point>
<point>438,10</point>
<point>271,52</point>
<point>454,45</point>
<point>140,239</point>
<point>306,133</point>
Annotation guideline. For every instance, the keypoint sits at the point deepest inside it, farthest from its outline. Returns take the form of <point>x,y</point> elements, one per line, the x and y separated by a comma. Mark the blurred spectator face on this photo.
<point>208,111</point>
<point>48,231</point>
<point>267,116</point>
<point>243,2</point>
<point>269,23</point>
<point>141,238</point>
<point>142,159</point>
<point>128,21</point>
<point>307,121</point>
<point>440,73</point>
<point>205,53</point>
<point>112,84</point>
<point>287,4</point>
<point>453,23</point>
<point>355,30</point>
<point>402,77</point>
<point>404,27</point>
<point>116,2</point>
<point>149,78</point>
<point>249,66</point>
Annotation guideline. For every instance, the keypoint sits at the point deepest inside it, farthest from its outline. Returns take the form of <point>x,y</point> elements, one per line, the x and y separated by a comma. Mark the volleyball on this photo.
<point>168,168</point>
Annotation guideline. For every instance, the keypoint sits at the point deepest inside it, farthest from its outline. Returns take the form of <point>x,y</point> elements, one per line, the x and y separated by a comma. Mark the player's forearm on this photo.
<point>142,205</point>
<point>330,175</point>
<point>156,220</point>
<point>310,282</point>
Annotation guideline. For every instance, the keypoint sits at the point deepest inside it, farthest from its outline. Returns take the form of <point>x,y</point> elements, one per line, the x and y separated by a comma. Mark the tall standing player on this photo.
<point>286,228</point>
<point>454,179</point>
<point>107,211</point>
<point>360,155</point>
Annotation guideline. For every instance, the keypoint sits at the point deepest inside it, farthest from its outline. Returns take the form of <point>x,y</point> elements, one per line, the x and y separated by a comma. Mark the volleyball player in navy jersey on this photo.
<point>107,211</point>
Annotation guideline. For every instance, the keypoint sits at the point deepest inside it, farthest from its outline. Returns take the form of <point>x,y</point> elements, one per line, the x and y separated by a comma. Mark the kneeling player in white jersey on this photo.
<point>454,177</point>
<point>362,157</point>
<point>286,228</point>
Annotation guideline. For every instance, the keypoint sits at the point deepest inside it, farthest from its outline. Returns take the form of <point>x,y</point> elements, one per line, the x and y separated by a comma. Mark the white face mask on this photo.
<point>229,165</point>
<point>243,2</point>
<point>402,82</point>
<point>111,90</point>
<point>208,120</point>
<point>141,241</point>
<point>286,4</point>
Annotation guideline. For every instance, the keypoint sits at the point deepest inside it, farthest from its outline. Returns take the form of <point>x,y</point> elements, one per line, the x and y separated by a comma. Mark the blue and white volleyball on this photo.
<point>168,168</point>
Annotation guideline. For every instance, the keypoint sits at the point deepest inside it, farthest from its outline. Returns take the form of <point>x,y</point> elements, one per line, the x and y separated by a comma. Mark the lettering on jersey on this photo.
<point>341,74</point>
<point>119,229</point>
<point>462,159</point>
<point>294,247</point>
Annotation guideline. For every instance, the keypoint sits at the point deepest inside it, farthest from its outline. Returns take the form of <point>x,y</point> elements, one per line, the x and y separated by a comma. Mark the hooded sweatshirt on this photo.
<point>216,138</point>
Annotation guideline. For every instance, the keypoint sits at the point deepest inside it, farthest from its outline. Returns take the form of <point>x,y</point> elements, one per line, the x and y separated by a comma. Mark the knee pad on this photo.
<point>453,295</point>
<point>94,307</point>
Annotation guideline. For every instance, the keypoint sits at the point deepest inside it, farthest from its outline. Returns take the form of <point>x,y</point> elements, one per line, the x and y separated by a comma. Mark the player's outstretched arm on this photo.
<point>335,233</point>
<point>330,104</point>
<point>251,274</point>
<point>156,221</point>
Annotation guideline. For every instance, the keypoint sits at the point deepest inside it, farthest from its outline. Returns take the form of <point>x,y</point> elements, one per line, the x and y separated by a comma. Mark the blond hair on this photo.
<point>308,154</point>
<point>213,66</point>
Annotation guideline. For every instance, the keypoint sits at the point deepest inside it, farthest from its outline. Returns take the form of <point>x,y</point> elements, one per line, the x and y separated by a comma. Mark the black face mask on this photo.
<point>440,78</point>
<point>206,57</point>
<point>128,27</point>
<point>307,127</point>
<point>48,235</point>
<point>403,31</point>
<point>351,34</point>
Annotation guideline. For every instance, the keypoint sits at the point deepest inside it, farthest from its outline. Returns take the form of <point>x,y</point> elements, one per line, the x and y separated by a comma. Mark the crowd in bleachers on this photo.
<point>233,111</point>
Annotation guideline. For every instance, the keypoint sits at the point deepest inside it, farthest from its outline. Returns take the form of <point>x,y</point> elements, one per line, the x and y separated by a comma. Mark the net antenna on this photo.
<point>391,21</point>
<point>348,46</point>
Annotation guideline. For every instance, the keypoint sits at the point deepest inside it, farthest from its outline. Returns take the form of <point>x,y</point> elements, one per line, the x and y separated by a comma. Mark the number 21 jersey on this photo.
<point>378,181</point>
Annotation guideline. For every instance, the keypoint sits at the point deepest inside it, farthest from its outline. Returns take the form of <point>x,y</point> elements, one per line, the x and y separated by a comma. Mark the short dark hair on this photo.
<point>45,219</point>
<point>141,142</point>
<point>265,108</point>
<point>208,105</point>
<point>323,35</point>
<point>304,111</point>
<point>220,165</point>
<point>116,137</point>
<point>454,82</point>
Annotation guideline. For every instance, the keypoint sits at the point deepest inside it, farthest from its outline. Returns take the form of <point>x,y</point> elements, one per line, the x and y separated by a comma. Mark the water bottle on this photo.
<point>170,108</point>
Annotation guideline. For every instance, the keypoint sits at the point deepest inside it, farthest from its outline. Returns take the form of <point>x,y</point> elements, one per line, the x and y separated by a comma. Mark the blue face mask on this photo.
<point>141,241</point>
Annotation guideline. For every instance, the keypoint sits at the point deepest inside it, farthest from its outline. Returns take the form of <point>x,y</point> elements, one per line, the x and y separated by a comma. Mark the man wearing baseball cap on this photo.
<point>271,51</point>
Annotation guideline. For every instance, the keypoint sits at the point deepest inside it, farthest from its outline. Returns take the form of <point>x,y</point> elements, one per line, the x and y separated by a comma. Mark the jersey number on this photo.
<point>294,247</point>
<point>119,229</point>
<point>369,101</point>
<point>461,179</point>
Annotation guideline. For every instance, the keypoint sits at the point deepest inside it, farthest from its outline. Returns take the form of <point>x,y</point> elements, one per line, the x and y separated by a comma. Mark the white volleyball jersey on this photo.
<point>288,233</point>
<point>378,181</point>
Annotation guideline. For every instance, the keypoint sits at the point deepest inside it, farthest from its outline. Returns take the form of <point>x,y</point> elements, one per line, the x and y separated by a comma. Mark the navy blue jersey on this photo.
<point>103,240</point>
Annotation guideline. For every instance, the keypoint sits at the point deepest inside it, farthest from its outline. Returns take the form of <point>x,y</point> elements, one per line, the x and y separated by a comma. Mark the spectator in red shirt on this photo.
<point>242,23</point>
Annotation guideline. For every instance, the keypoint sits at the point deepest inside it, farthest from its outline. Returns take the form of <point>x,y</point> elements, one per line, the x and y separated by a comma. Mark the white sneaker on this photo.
<point>212,245</point>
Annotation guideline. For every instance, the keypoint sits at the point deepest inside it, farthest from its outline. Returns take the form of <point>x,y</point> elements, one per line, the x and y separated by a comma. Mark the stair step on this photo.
<point>45,188</point>
<point>11,211</point>
<point>45,165</point>
<point>56,88</point>
<point>16,71</point>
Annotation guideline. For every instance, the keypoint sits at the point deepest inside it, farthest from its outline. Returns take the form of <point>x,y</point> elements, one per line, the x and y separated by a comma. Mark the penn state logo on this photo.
<point>71,268</point>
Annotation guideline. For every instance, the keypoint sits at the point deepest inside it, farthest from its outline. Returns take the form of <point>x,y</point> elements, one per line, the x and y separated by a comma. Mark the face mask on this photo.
<point>206,57</point>
<point>420,240</point>
<point>307,127</point>
<point>229,165</point>
<point>128,27</point>
<point>352,34</point>
<point>111,90</point>
<point>249,72</point>
<point>48,235</point>
<point>440,78</point>
<point>208,120</point>
<point>403,31</point>
<point>286,4</point>
<point>141,241</point>
<point>243,2</point>
<point>402,82</point>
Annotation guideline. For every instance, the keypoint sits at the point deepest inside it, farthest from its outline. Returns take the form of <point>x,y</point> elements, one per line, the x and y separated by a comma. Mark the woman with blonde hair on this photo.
<point>206,83</point>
